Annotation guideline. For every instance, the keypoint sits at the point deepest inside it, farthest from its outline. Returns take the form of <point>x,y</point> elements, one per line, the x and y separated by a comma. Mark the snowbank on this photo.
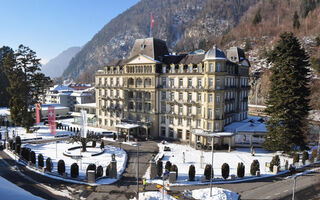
<point>217,194</point>
<point>153,196</point>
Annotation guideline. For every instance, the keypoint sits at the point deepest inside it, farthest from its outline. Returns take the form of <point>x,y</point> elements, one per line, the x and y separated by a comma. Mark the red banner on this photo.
<point>152,20</point>
<point>38,108</point>
<point>52,120</point>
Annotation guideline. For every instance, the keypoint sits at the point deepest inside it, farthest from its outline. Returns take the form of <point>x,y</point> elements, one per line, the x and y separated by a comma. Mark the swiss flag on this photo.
<point>152,20</point>
<point>52,120</point>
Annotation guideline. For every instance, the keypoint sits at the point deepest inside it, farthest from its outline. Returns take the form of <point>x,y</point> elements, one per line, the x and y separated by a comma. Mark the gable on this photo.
<point>142,59</point>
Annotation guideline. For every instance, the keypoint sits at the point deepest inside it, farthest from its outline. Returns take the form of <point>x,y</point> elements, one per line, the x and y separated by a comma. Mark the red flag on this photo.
<point>152,20</point>
<point>38,108</point>
<point>52,120</point>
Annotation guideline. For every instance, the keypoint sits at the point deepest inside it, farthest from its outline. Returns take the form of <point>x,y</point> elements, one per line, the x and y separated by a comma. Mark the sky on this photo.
<point>51,26</point>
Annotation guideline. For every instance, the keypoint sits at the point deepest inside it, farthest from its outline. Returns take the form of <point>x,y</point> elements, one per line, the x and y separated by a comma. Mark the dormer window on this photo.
<point>143,46</point>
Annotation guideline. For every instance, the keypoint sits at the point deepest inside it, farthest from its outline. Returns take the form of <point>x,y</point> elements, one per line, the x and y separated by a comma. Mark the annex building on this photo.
<point>183,96</point>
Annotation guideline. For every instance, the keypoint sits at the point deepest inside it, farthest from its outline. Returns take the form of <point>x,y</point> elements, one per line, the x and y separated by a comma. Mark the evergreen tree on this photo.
<point>296,23</point>
<point>27,83</point>
<point>4,82</point>
<point>288,103</point>
<point>257,18</point>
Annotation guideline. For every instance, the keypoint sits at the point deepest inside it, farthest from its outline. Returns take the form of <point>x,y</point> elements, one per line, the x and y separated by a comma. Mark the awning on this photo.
<point>127,126</point>
<point>206,133</point>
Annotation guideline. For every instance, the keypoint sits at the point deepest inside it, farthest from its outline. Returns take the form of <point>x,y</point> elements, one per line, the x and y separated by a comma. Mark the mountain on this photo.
<point>185,25</point>
<point>55,67</point>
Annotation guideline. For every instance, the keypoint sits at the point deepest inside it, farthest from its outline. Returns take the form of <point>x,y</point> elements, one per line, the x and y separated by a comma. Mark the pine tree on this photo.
<point>288,102</point>
<point>257,18</point>
<point>4,82</point>
<point>27,83</point>
<point>296,23</point>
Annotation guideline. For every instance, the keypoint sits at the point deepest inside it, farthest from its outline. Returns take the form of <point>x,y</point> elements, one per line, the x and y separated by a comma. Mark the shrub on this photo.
<point>99,171</point>
<point>33,157</point>
<point>91,167</point>
<point>305,156</point>
<point>240,170</point>
<point>61,167</point>
<point>207,172</point>
<point>102,145</point>
<point>295,158</point>
<point>94,143</point>
<point>27,154</point>
<point>192,172</point>
<point>40,160</point>
<point>274,162</point>
<point>313,155</point>
<point>108,170</point>
<point>255,166</point>
<point>18,140</point>
<point>74,171</point>
<point>168,166</point>
<point>225,170</point>
<point>159,168</point>
<point>49,164</point>
<point>174,168</point>
<point>11,144</point>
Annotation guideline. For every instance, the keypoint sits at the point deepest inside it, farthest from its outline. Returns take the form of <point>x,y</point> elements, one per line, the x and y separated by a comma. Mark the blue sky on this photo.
<point>51,26</point>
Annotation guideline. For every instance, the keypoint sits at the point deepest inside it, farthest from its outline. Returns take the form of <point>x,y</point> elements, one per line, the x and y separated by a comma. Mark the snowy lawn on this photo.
<point>192,157</point>
<point>49,150</point>
<point>9,190</point>
<point>153,196</point>
<point>217,194</point>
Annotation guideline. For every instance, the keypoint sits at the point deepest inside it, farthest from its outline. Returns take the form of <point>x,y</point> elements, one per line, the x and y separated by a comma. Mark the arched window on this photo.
<point>139,81</point>
<point>147,82</point>
<point>130,81</point>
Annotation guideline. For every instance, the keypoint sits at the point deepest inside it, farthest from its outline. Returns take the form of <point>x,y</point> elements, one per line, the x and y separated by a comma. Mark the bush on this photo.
<point>240,170</point>
<point>102,145</point>
<point>40,160</point>
<point>207,172</point>
<point>274,162</point>
<point>11,144</point>
<point>305,156</point>
<point>74,171</point>
<point>168,166</point>
<point>174,168</point>
<point>225,170</point>
<point>94,143</point>
<point>18,150</point>
<point>49,164</point>
<point>159,168</point>
<point>192,172</point>
<point>18,140</point>
<point>255,166</point>
<point>61,167</point>
<point>91,167</point>
<point>33,157</point>
<point>108,170</point>
<point>27,154</point>
<point>295,158</point>
<point>99,171</point>
<point>313,155</point>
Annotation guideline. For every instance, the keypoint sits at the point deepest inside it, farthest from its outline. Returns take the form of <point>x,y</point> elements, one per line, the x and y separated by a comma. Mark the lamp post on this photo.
<point>294,186</point>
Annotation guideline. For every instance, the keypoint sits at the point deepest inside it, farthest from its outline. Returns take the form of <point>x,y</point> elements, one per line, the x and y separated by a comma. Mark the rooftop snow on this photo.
<point>250,125</point>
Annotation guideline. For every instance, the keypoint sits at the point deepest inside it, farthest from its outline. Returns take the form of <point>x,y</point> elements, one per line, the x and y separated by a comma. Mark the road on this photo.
<point>279,187</point>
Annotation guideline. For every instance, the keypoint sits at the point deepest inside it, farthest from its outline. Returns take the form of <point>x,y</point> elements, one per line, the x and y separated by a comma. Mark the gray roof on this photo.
<point>154,48</point>
<point>235,54</point>
<point>214,53</point>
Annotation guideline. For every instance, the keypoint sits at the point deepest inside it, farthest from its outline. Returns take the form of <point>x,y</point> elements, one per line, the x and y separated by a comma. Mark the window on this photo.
<point>171,132</point>
<point>111,81</point>
<point>198,110</point>
<point>147,82</point>
<point>210,98</point>
<point>189,82</point>
<point>189,109</point>
<point>179,133</point>
<point>209,113</point>
<point>199,83</point>
<point>164,82</point>
<point>130,95</point>
<point>218,98</point>
<point>217,115</point>
<point>106,81</point>
<point>163,131</point>
<point>209,125</point>
<point>138,106</point>
<point>130,105</point>
<point>139,81</point>
<point>198,123</point>
<point>163,108</point>
<point>171,82</point>
<point>218,67</point>
<point>180,82</point>
<point>189,96</point>
<point>172,69</point>
<point>199,96</point>
<point>163,95</point>
<point>190,69</point>
<point>218,84</point>
<point>210,82</point>
<point>138,118</point>
<point>170,120</point>
<point>171,96</point>
<point>200,69</point>
<point>139,95</point>
<point>147,96</point>
<point>180,109</point>
<point>111,123</point>
<point>118,82</point>
<point>147,106</point>
<point>179,121</point>
<point>130,81</point>
<point>188,122</point>
<point>172,108</point>
<point>164,69</point>
<point>210,67</point>
<point>216,128</point>
<point>180,95</point>
<point>188,135</point>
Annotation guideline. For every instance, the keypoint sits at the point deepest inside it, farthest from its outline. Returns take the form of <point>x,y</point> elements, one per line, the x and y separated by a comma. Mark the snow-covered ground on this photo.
<point>314,115</point>
<point>217,194</point>
<point>9,190</point>
<point>49,150</point>
<point>153,196</point>
<point>192,156</point>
